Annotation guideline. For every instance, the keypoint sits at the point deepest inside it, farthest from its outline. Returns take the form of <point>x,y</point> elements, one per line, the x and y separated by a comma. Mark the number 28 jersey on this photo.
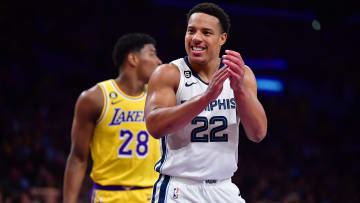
<point>122,150</point>
<point>207,147</point>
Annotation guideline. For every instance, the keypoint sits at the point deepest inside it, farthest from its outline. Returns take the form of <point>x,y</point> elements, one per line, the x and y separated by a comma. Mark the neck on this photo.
<point>129,84</point>
<point>206,70</point>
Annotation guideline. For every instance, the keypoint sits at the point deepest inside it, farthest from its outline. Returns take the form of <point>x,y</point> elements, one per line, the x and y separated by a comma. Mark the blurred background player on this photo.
<point>109,122</point>
<point>197,113</point>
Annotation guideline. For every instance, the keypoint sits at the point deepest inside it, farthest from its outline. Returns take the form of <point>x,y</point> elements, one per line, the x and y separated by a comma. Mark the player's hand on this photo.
<point>216,83</point>
<point>236,68</point>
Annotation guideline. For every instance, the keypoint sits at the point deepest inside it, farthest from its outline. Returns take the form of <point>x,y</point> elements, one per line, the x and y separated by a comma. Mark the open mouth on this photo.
<point>197,50</point>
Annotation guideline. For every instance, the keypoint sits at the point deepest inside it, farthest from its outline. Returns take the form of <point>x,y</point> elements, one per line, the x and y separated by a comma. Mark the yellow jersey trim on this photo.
<point>105,106</point>
<point>126,96</point>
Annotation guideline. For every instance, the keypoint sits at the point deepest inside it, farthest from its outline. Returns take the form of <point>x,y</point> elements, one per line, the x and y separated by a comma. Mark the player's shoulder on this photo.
<point>168,70</point>
<point>167,66</point>
<point>164,75</point>
<point>91,93</point>
<point>91,97</point>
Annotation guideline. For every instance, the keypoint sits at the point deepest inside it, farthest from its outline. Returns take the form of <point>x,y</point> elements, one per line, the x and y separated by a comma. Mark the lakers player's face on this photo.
<point>204,38</point>
<point>148,61</point>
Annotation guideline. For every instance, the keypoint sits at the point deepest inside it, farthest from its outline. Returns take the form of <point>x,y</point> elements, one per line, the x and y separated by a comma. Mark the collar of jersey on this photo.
<point>186,59</point>
<point>123,94</point>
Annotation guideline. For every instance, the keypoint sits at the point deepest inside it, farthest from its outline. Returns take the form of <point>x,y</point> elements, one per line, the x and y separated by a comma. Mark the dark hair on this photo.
<point>213,10</point>
<point>128,43</point>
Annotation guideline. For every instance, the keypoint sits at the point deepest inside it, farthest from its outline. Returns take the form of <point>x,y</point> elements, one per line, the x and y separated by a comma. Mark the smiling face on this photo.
<point>204,38</point>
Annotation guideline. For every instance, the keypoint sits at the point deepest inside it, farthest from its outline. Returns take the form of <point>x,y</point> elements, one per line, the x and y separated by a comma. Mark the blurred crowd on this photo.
<point>310,152</point>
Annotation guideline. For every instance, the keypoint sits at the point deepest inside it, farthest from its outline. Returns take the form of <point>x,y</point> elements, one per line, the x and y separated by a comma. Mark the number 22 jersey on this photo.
<point>207,147</point>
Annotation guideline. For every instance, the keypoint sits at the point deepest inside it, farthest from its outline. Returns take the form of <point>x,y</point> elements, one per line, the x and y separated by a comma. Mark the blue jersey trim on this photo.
<point>163,189</point>
<point>163,156</point>
<point>154,189</point>
<point>221,65</point>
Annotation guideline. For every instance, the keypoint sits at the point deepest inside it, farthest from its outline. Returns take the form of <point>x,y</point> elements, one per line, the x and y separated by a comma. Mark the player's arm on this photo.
<point>249,108</point>
<point>161,112</point>
<point>87,110</point>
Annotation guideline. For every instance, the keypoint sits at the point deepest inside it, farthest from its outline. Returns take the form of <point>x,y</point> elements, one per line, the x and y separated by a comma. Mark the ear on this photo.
<point>223,38</point>
<point>132,59</point>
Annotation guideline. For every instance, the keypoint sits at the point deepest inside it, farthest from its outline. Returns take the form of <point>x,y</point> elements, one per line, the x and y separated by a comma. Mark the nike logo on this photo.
<point>115,102</point>
<point>188,85</point>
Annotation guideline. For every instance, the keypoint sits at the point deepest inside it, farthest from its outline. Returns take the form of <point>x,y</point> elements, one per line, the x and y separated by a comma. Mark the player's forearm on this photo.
<point>252,115</point>
<point>161,121</point>
<point>74,175</point>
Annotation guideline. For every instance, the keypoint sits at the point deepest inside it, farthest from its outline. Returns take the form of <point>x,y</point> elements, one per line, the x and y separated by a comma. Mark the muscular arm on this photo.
<point>161,112</point>
<point>87,109</point>
<point>249,108</point>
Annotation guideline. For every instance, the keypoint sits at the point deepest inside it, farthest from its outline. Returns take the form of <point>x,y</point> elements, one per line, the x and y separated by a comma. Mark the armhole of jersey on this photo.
<point>181,79</point>
<point>105,106</point>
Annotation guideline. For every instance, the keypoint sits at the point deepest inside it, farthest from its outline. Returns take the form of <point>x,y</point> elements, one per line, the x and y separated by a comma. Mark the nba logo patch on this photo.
<point>187,73</point>
<point>176,193</point>
<point>113,95</point>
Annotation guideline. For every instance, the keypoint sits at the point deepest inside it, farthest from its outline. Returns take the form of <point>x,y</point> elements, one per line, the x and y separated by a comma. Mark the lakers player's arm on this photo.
<point>249,108</point>
<point>87,110</point>
<point>161,112</point>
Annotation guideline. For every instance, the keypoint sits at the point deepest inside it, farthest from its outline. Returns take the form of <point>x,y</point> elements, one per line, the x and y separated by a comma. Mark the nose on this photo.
<point>197,37</point>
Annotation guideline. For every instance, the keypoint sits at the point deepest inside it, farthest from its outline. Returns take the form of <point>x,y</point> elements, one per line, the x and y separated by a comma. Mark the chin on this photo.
<point>197,59</point>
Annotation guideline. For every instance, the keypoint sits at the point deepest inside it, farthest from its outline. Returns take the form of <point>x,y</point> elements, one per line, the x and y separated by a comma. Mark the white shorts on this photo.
<point>169,189</point>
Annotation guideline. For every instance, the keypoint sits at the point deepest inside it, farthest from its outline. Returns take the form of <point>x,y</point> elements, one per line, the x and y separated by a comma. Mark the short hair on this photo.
<point>132,42</point>
<point>213,10</point>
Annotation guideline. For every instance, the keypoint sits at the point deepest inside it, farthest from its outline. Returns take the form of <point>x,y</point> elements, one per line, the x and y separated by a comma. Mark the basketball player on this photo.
<point>109,121</point>
<point>194,106</point>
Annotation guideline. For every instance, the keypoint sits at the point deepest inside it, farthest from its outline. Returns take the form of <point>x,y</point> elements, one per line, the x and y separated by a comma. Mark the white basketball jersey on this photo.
<point>207,147</point>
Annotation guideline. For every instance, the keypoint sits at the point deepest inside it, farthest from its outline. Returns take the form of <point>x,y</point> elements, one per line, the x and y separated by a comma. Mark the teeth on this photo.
<point>198,49</point>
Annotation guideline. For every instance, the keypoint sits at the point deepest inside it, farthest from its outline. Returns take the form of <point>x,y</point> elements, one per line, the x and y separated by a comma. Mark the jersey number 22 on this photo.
<point>198,136</point>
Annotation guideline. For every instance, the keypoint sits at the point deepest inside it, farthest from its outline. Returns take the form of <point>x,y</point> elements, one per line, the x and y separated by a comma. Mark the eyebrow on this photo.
<point>207,29</point>
<point>204,29</point>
